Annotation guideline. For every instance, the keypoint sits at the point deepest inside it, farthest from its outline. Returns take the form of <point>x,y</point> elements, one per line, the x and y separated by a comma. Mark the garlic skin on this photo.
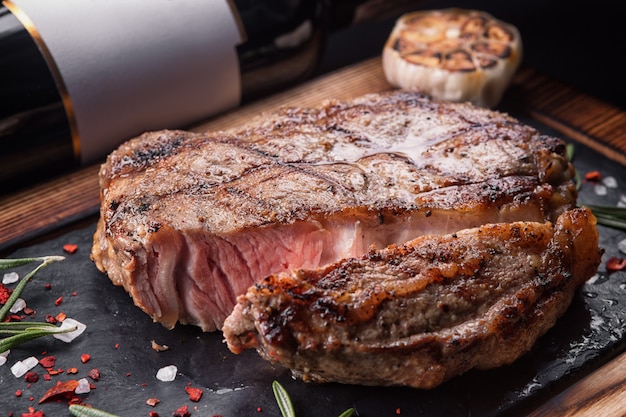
<point>453,54</point>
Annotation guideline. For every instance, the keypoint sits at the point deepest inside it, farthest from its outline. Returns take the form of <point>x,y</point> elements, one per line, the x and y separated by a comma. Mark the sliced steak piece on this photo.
<point>420,313</point>
<point>189,221</point>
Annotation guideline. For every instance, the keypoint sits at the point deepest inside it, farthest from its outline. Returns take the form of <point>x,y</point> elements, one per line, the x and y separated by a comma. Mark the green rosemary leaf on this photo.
<point>284,401</point>
<point>11,327</point>
<point>45,261</point>
<point>609,215</point>
<point>30,334</point>
<point>14,263</point>
<point>348,413</point>
<point>619,212</point>
<point>84,411</point>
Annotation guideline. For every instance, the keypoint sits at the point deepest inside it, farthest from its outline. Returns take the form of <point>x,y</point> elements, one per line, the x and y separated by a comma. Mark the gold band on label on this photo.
<point>65,97</point>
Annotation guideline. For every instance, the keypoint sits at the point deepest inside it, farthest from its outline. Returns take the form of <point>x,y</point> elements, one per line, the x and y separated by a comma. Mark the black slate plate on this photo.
<point>118,338</point>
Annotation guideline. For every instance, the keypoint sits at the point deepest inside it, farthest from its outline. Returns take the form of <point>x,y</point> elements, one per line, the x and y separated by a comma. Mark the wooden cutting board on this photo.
<point>61,202</point>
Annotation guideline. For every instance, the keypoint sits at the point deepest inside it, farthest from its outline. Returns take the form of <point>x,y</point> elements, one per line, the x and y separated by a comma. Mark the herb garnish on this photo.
<point>84,411</point>
<point>606,215</point>
<point>286,406</point>
<point>20,332</point>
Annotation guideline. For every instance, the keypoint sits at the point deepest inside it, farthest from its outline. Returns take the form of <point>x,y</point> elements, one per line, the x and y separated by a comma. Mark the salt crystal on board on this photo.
<point>69,323</point>
<point>20,368</point>
<point>167,373</point>
<point>10,278</point>
<point>83,386</point>
<point>610,182</point>
<point>3,356</point>
<point>18,306</point>
<point>600,189</point>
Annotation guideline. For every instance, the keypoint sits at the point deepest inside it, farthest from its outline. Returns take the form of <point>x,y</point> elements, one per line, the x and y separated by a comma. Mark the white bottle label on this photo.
<point>130,66</point>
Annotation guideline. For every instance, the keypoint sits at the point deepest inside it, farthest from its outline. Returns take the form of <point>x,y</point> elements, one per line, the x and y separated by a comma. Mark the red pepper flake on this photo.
<point>47,377</point>
<point>194,393</point>
<point>94,374</point>
<point>55,371</point>
<point>152,401</point>
<point>615,264</point>
<point>84,358</point>
<point>153,414</point>
<point>593,176</point>
<point>128,374</point>
<point>28,311</point>
<point>58,301</point>
<point>182,412</point>
<point>259,409</point>
<point>117,346</point>
<point>5,293</point>
<point>65,389</point>
<point>75,400</point>
<point>60,317</point>
<point>33,413</point>
<point>50,319</point>
<point>398,410</point>
<point>72,370</point>
<point>48,361</point>
<point>70,248</point>
<point>18,393</point>
<point>47,286</point>
<point>31,376</point>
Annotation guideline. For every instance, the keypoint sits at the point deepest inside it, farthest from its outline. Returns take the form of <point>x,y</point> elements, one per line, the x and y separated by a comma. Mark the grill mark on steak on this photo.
<point>317,181</point>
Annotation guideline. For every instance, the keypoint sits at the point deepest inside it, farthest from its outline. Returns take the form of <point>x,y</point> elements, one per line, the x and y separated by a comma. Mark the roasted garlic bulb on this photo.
<point>453,54</point>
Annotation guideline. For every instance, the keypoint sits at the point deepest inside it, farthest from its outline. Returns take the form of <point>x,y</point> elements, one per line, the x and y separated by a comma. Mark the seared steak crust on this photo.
<point>420,313</point>
<point>189,221</point>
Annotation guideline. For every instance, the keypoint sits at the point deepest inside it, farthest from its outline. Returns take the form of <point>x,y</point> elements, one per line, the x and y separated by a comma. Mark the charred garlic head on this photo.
<point>453,54</point>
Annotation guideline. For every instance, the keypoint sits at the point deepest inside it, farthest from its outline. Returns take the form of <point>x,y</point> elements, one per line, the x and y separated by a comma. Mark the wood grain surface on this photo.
<point>58,203</point>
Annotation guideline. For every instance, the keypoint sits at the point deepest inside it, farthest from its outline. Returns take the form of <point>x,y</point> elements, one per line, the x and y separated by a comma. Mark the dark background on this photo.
<point>582,44</point>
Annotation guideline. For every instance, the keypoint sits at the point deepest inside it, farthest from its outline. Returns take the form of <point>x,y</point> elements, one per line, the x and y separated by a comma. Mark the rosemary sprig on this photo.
<point>84,411</point>
<point>606,215</point>
<point>20,332</point>
<point>609,216</point>
<point>286,405</point>
<point>284,401</point>
<point>11,263</point>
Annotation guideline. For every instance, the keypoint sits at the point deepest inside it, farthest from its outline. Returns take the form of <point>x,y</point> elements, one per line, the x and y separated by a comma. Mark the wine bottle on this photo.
<point>77,78</point>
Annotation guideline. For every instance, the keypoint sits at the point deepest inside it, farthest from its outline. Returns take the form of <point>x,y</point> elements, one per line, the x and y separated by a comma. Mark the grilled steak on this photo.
<point>189,221</point>
<point>420,313</point>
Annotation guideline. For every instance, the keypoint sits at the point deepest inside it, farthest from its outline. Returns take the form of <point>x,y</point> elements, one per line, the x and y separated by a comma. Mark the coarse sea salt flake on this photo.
<point>610,182</point>
<point>167,373</point>
<point>600,189</point>
<point>18,306</point>
<point>83,386</point>
<point>69,323</point>
<point>3,357</point>
<point>10,278</point>
<point>20,368</point>
<point>621,245</point>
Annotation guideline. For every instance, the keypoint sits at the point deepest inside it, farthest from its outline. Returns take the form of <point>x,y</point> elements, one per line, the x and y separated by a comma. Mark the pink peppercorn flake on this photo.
<point>70,248</point>
<point>48,361</point>
<point>31,376</point>
<point>194,393</point>
<point>182,412</point>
